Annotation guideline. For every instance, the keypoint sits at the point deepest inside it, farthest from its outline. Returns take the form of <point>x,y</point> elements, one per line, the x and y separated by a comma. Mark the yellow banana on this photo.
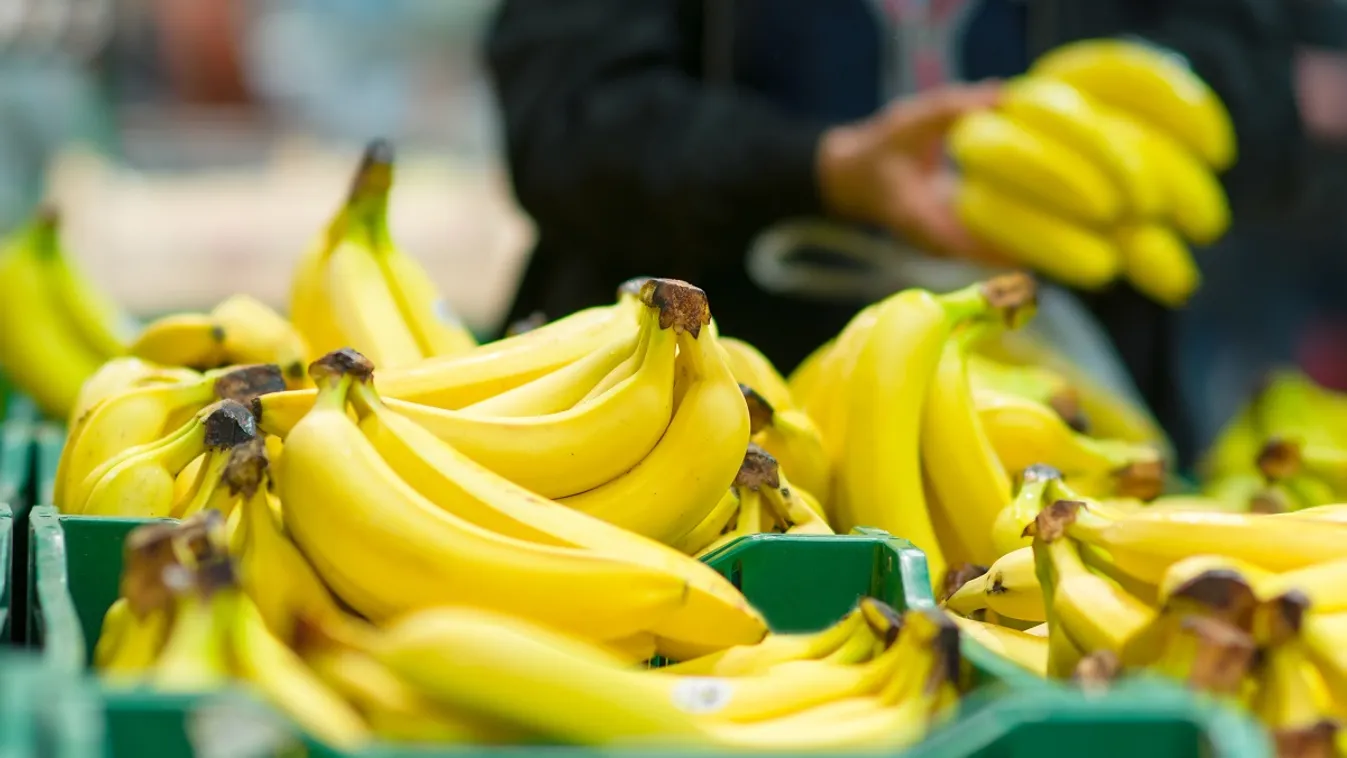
<point>957,456</point>
<point>143,415</point>
<point>192,340</point>
<point>1093,612</point>
<point>195,656</point>
<point>753,369</point>
<point>1183,574</point>
<point>120,375</point>
<point>460,486</point>
<point>706,532</point>
<point>1024,433</point>
<point>41,351</point>
<point>1009,587</point>
<point>1207,655</point>
<point>1027,650</point>
<point>803,380</point>
<point>880,475</point>
<point>1154,85</point>
<point>774,649</point>
<point>1068,252</point>
<point>1060,111</point>
<point>1036,383</point>
<point>1008,528</point>
<point>794,510</point>
<point>141,483</point>
<point>254,333</point>
<point>746,522</point>
<point>1289,697</point>
<point>1018,160</point>
<point>793,440</point>
<point>349,511</point>
<point>681,479</point>
<point>1336,512</point>
<point>1158,264</point>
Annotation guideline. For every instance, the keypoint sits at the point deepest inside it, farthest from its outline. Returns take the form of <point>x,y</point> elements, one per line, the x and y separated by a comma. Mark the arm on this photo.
<point>611,141</point>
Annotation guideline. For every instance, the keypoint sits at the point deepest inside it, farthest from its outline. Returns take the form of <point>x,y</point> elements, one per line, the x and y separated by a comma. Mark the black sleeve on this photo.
<point>613,143</point>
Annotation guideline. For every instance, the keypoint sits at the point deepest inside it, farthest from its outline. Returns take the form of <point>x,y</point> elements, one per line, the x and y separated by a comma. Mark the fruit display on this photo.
<point>1100,163</point>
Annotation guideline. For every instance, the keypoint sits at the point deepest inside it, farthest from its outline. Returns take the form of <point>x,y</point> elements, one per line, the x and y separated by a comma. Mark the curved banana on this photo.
<point>1009,527</point>
<point>681,479</point>
<point>1050,175</point>
<point>774,649</point>
<point>793,439</point>
<point>1009,587</point>
<point>192,340</point>
<point>880,479</point>
<point>1064,250</point>
<point>1039,384</point>
<point>254,333</point>
<point>141,482</point>
<point>1060,111</point>
<point>349,511</point>
<point>120,375</point>
<point>142,415</point>
<point>717,613</point>
<point>195,656</point>
<point>710,529</point>
<point>40,350</point>
<point>1158,264</point>
<point>1027,650</point>
<point>1154,85</point>
<point>1093,612</point>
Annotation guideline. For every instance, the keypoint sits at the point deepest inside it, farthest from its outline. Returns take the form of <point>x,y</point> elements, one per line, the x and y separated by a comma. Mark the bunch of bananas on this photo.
<point>1096,164</point>
<point>208,601</point>
<point>925,431</point>
<point>56,329</point>
<point>1286,449</point>
<point>1247,607</point>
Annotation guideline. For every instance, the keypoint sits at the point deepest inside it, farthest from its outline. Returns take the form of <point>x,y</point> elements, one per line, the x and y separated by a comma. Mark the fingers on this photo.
<point>928,217</point>
<point>928,115</point>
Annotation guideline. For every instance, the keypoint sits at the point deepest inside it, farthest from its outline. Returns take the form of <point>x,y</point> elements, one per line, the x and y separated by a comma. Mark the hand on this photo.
<point>889,170</point>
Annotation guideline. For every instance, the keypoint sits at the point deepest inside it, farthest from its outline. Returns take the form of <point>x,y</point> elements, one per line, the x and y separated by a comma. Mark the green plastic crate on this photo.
<point>47,713</point>
<point>16,434</point>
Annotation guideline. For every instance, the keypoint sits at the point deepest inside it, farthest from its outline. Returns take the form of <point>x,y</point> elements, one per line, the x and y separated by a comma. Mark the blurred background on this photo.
<point>196,147</point>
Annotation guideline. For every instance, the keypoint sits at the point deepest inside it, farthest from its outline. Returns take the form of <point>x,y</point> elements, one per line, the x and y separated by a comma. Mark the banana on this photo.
<point>1334,513</point>
<point>1071,253</point>
<point>793,510</point>
<point>1018,160</point>
<point>576,450</point>
<point>721,517</point>
<point>141,482</point>
<point>39,349</point>
<point>332,484</point>
<point>254,333</point>
<point>1288,698</point>
<point>1154,85</point>
<point>195,657</point>
<point>192,340</point>
<point>1009,587</point>
<point>774,649</point>
<point>137,624</point>
<point>1146,544</point>
<point>746,522</point>
<point>753,369</point>
<point>1035,383</point>
<point>880,475</point>
<point>1207,655</point>
<point>1059,111</point>
<point>141,416</point>
<point>1009,526</point>
<point>1092,612</point>
<point>1027,650</point>
<point>700,450</point>
<point>208,486</point>
<point>1322,639</point>
<point>1185,574</point>
<point>804,379</point>
<point>957,456</point>
<point>1024,433</point>
<point>793,439</point>
<point>120,375</point>
<point>571,385</point>
<point>1158,264</point>
<point>1197,203</point>
<point>458,485</point>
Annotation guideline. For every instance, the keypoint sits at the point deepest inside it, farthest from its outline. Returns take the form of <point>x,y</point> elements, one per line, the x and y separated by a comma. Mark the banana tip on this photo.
<point>1224,592</point>
<point>339,363</point>
<point>1014,295</point>
<point>760,412</point>
<point>1051,523</point>
<point>247,467</point>
<point>374,175</point>
<point>681,306</point>
<point>229,424</point>
<point>957,576</point>
<point>1278,459</point>
<point>245,383</point>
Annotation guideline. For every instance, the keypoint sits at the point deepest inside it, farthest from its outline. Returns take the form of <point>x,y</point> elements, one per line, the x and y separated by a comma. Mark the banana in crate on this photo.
<point>56,328</point>
<point>1096,165</point>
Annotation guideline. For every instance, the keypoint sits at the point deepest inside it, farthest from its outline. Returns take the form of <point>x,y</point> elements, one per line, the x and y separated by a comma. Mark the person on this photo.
<point>663,136</point>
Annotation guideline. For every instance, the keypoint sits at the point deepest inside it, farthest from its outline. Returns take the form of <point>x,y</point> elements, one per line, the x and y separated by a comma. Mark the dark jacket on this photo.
<point>660,136</point>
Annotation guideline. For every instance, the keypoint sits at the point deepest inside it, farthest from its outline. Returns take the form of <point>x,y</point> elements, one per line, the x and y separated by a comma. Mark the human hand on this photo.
<point>889,170</point>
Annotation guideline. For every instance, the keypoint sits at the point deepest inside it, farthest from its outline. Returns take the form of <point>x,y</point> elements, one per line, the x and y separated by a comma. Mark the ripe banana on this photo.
<point>793,439</point>
<point>1009,587</point>
<point>385,550</point>
<point>140,483</point>
<point>1153,84</point>
<point>1008,528</point>
<point>880,474</point>
<point>1196,202</point>
<point>1036,383</point>
<point>1062,249</point>
<point>700,450</point>
<point>1027,650</point>
<point>254,333</point>
<point>718,614</point>
<point>1024,433</point>
<point>120,375</point>
<point>1289,696</point>
<point>745,522</point>
<point>721,518</point>
<point>1051,176</point>
<point>1158,264</point>
<point>195,657</point>
<point>1059,111</point>
<point>192,340</point>
<point>40,348</point>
